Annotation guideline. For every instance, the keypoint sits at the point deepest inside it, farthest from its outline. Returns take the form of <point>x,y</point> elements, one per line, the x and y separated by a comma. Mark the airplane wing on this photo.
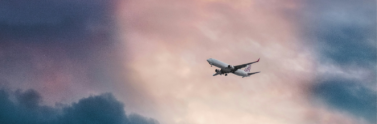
<point>244,65</point>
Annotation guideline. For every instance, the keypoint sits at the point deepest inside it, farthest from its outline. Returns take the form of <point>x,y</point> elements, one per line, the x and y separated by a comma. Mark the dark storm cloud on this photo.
<point>348,95</point>
<point>345,35</point>
<point>349,44</point>
<point>65,43</point>
<point>52,19</point>
<point>77,27</point>
<point>345,29</point>
<point>25,108</point>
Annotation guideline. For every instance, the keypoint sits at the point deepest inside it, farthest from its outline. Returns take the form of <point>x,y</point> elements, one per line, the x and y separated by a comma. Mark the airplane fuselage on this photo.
<point>226,68</point>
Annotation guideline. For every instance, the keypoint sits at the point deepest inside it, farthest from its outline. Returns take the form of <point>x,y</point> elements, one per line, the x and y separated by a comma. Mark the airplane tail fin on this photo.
<point>247,69</point>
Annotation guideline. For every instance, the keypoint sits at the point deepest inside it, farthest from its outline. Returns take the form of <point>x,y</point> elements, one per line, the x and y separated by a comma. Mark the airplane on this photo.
<point>226,68</point>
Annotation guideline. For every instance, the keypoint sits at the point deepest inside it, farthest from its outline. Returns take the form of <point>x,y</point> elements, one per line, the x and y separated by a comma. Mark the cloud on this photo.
<point>68,20</point>
<point>62,49</point>
<point>344,36</point>
<point>348,95</point>
<point>25,107</point>
<point>343,31</point>
<point>168,41</point>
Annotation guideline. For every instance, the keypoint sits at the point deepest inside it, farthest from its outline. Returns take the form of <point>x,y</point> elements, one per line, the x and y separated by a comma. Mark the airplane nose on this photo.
<point>209,61</point>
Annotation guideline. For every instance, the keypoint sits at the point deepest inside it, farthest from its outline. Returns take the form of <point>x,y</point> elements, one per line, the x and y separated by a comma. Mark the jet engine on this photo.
<point>217,70</point>
<point>231,67</point>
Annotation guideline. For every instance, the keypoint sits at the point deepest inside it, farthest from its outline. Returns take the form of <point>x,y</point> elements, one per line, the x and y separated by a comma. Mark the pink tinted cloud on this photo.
<point>167,43</point>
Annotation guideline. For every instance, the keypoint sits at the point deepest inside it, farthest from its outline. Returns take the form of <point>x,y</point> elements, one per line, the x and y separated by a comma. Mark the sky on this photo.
<point>144,61</point>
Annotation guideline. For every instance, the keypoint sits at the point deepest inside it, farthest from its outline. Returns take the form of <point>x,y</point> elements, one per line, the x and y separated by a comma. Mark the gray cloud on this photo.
<point>24,107</point>
<point>344,30</point>
<point>344,34</point>
<point>348,95</point>
<point>70,20</point>
<point>48,45</point>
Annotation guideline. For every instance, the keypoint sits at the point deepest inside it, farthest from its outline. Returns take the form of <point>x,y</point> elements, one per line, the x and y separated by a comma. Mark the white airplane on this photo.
<point>226,68</point>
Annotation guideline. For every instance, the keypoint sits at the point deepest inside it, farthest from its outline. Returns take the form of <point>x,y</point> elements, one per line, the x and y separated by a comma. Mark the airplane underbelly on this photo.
<point>226,70</point>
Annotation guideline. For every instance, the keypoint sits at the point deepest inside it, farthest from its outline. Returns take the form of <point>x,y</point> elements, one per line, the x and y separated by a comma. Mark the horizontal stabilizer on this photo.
<point>252,73</point>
